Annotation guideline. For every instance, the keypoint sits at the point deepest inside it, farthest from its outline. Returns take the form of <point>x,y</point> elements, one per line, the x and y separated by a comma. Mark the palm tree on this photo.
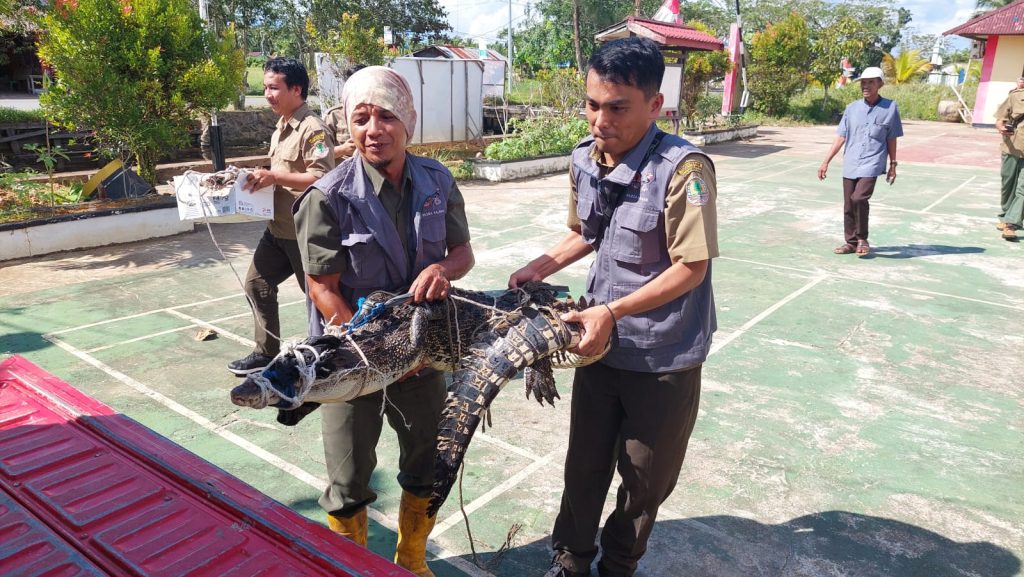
<point>905,67</point>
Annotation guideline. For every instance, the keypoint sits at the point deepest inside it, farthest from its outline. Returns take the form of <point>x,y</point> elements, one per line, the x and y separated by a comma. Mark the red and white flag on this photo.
<point>669,12</point>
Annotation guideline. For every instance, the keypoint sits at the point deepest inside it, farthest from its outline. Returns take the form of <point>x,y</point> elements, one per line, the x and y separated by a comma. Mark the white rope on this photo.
<point>194,176</point>
<point>307,375</point>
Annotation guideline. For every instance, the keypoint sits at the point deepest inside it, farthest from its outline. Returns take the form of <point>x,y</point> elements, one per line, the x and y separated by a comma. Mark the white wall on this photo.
<point>448,96</point>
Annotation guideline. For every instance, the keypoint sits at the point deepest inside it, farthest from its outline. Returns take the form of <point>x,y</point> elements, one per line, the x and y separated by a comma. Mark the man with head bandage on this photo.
<point>384,219</point>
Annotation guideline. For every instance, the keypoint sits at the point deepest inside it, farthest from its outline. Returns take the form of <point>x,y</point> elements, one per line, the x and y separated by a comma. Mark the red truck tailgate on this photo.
<point>87,491</point>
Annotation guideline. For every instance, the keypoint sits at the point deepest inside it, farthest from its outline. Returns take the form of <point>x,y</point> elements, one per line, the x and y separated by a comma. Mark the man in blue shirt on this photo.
<point>869,130</point>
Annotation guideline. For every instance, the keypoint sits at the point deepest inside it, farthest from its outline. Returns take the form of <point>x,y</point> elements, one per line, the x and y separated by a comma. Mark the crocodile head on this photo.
<point>337,366</point>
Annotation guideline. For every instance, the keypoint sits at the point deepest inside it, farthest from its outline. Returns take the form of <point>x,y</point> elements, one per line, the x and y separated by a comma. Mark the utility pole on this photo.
<point>216,143</point>
<point>509,49</point>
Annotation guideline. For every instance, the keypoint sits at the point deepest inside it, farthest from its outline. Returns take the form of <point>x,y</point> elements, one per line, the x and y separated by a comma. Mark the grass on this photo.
<point>11,115</point>
<point>525,91</point>
<point>254,78</point>
<point>916,101</point>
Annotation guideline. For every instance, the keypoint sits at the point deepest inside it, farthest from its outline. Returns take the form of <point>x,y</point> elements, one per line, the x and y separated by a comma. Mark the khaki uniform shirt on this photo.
<point>320,249</point>
<point>300,145</point>
<point>337,126</point>
<point>691,231</point>
<point>1013,108</point>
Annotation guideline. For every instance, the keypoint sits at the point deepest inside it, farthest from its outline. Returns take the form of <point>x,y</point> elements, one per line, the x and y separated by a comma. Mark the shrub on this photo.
<point>700,68</point>
<point>137,72</point>
<point>562,89</point>
<point>778,59</point>
<point>540,136</point>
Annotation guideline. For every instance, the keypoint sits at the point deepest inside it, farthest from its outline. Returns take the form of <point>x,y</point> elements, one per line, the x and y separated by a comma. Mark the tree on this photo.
<point>412,21</point>
<point>358,44</point>
<point>700,68</point>
<point>778,63</point>
<point>137,73</point>
<point>904,68</point>
<point>983,6</point>
<point>844,38</point>
<point>243,17</point>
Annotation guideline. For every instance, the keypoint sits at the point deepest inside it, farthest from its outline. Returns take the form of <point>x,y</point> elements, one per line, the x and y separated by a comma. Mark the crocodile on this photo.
<point>483,340</point>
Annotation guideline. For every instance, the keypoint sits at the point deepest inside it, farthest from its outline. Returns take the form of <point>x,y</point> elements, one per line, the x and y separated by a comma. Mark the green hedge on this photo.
<point>539,136</point>
<point>11,115</point>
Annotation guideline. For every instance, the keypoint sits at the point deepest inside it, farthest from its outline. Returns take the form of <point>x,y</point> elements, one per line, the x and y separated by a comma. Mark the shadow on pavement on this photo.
<point>916,250</point>
<point>830,543</point>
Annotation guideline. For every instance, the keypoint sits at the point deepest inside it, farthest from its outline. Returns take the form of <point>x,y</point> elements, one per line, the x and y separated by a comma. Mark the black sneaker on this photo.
<point>559,570</point>
<point>255,362</point>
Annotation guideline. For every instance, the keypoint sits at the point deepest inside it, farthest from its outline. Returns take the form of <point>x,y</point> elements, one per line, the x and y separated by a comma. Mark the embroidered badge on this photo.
<point>432,200</point>
<point>696,191</point>
<point>320,150</point>
<point>689,166</point>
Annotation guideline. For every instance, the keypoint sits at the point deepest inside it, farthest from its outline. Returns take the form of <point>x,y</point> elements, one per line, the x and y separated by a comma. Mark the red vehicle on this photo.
<point>87,491</point>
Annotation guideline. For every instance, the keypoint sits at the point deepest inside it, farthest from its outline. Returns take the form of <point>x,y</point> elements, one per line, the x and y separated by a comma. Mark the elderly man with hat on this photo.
<point>869,129</point>
<point>1010,124</point>
<point>384,219</point>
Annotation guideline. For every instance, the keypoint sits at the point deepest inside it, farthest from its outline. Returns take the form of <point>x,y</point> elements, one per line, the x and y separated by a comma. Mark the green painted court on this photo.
<point>858,417</point>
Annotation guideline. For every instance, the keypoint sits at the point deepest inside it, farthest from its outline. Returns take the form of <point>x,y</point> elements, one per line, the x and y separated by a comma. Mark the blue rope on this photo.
<point>366,314</point>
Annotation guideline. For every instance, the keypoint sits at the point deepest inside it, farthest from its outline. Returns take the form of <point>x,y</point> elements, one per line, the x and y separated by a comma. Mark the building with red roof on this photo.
<point>1000,34</point>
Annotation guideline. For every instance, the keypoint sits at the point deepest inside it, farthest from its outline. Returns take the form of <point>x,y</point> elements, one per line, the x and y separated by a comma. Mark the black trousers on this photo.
<point>274,261</point>
<point>856,194</point>
<point>640,425</point>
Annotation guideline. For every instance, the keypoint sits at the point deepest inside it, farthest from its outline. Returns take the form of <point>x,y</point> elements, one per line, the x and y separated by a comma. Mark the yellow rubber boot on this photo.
<point>354,528</point>
<point>413,529</point>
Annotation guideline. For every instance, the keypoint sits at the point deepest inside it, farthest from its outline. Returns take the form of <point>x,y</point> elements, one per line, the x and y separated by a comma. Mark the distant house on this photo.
<point>494,64</point>
<point>20,69</point>
<point>1000,34</point>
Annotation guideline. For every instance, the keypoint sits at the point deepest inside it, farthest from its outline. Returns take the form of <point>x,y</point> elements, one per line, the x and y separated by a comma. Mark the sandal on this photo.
<point>863,248</point>
<point>844,249</point>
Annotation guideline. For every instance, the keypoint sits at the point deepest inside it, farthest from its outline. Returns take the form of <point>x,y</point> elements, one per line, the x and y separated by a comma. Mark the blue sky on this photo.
<point>473,18</point>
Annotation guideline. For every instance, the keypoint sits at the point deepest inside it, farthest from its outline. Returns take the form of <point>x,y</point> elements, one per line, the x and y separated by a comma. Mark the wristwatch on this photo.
<point>893,163</point>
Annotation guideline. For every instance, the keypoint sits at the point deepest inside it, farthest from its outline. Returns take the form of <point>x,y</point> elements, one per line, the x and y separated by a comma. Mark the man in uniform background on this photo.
<point>300,153</point>
<point>337,123</point>
<point>1010,123</point>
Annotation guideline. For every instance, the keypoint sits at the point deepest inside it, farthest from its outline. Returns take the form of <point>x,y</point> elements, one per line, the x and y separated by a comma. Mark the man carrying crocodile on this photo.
<point>382,220</point>
<point>644,201</point>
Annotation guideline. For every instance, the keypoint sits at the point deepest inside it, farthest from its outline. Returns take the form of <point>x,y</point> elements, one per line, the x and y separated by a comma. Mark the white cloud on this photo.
<point>931,17</point>
<point>486,18</point>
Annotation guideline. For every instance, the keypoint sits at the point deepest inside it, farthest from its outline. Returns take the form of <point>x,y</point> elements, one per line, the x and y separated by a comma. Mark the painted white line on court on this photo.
<point>212,327</point>
<point>878,283</point>
<point>717,346</point>
<point>948,194</point>
<point>179,329</point>
<point>495,492</point>
<point>803,164</point>
<point>507,446</point>
<point>293,470</point>
<point>146,313</point>
<point>883,206</point>
<point>137,339</point>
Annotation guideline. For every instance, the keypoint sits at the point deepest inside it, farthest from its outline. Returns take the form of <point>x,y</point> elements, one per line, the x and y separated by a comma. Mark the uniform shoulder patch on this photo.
<point>690,167</point>
<point>696,189</point>
<point>317,144</point>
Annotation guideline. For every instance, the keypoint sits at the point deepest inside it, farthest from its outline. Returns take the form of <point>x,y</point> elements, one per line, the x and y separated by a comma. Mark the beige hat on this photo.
<point>871,72</point>
<point>381,87</point>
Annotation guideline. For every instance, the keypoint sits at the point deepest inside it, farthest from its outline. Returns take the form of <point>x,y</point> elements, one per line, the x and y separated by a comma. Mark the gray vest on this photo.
<point>632,251</point>
<point>375,256</point>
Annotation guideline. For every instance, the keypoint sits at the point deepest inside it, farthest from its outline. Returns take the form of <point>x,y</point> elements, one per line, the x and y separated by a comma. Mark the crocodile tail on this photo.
<point>478,380</point>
